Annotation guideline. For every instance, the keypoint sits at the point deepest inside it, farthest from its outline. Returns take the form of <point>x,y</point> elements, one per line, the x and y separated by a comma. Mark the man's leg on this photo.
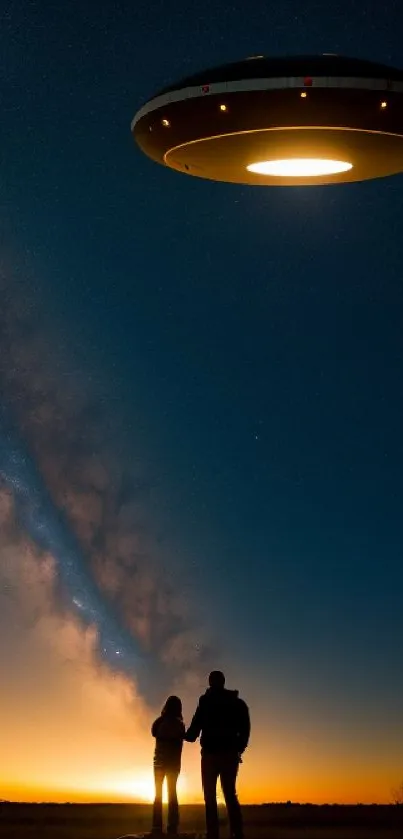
<point>209,771</point>
<point>159,775</point>
<point>229,765</point>
<point>173,807</point>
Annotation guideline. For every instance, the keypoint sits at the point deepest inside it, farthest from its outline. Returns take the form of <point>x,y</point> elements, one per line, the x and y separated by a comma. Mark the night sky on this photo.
<point>201,453</point>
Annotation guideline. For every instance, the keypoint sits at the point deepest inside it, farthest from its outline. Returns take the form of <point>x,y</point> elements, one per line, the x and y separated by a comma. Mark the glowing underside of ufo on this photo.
<point>310,120</point>
<point>300,167</point>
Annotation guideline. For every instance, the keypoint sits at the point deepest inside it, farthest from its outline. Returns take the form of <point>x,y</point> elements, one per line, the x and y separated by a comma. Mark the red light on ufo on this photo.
<point>206,88</point>
<point>308,82</point>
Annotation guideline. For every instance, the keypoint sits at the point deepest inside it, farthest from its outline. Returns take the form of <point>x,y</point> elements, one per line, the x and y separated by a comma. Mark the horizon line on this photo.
<point>195,804</point>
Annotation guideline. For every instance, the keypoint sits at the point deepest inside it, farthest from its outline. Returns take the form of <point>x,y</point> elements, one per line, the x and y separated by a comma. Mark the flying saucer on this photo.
<point>320,119</point>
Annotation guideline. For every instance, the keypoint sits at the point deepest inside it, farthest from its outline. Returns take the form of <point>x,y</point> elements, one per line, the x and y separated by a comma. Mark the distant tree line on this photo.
<point>397,794</point>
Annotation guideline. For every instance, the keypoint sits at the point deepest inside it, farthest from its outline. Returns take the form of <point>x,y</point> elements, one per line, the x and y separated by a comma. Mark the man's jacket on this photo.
<point>222,719</point>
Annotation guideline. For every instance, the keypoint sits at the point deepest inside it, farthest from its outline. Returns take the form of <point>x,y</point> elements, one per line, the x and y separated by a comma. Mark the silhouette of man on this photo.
<point>222,718</point>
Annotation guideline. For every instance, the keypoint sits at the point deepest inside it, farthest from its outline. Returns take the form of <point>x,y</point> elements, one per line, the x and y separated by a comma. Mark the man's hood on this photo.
<point>221,693</point>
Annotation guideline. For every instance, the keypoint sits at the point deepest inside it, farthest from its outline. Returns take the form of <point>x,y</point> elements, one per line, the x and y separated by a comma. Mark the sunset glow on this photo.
<point>141,788</point>
<point>106,756</point>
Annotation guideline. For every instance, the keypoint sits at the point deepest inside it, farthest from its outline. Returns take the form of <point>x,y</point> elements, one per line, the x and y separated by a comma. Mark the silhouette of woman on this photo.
<point>168,731</point>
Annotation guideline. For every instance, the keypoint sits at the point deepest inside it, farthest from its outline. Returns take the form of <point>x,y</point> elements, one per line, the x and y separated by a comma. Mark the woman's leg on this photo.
<point>157,807</point>
<point>173,806</point>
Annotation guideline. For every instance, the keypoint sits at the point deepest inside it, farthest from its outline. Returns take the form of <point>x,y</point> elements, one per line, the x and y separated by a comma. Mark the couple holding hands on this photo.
<point>222,720</point>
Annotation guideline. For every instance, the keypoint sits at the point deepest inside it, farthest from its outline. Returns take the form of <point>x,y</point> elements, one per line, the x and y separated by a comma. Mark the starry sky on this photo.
<point>201,455</point>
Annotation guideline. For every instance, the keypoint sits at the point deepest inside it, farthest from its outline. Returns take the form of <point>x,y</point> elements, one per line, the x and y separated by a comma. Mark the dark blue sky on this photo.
<point>250,339</point>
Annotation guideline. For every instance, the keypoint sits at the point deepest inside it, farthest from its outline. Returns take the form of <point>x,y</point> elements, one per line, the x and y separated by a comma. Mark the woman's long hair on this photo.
<point>172,707</point>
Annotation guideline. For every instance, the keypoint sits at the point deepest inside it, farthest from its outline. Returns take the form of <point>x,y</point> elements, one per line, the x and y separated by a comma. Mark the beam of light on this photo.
<point>299,167</point>
<point>49,529</point>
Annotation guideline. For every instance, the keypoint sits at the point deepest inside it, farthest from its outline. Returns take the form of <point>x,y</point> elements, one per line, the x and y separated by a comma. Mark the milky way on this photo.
<point>82,496</point>
<point>48,527</point>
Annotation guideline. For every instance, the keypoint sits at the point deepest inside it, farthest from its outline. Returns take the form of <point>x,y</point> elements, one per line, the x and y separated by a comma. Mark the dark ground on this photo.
<point>277,821</point>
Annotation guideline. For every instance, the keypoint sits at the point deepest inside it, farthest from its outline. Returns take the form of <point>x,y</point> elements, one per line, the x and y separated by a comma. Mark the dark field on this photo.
<point>278,821</point>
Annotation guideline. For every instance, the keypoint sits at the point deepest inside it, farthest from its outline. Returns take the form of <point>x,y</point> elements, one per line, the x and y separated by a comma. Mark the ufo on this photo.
<point>306,120</point>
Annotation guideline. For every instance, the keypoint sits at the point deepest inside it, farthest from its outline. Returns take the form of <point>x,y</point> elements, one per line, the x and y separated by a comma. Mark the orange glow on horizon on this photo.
<point>257,785</point>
